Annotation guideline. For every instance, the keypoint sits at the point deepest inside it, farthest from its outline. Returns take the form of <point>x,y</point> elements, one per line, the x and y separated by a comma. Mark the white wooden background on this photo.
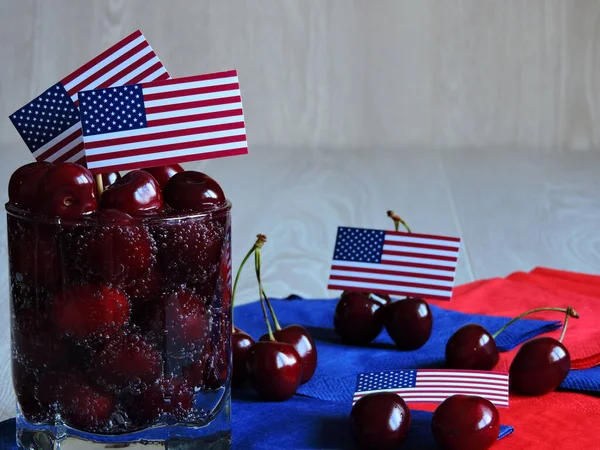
<point>467,117</point>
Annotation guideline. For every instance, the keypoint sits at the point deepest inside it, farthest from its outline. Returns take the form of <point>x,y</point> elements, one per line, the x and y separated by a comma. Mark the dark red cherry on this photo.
<point>68,190</point>
<point>115,248</point>
<point>136,193</point>
<point>472,347</point>
<point>192,190</point>
<point>86,407</point>
<point>240,344</point>
<point>465,422</point>
<point>23,186</point>
<point>162,174</point>
<point>357,319</point>
<point>300,338</point>
<point>380,421</point>
<point>274,369</point>
<point>539,366</point>
<point>408,322</point>
<point>109,178</point>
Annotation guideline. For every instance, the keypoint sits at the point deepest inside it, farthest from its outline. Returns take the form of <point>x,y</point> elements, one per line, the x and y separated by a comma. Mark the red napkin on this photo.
<point>564,420</point>
<point>524,291</point>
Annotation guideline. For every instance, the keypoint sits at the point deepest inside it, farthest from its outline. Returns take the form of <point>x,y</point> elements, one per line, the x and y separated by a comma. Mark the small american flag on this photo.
<point>435,385</point>
<point>50,124</point>
<point>393,262</point>
<point>164,122</point>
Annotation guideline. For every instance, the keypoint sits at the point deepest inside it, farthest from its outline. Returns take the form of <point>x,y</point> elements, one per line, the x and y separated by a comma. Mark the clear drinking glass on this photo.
<point>121,330</point>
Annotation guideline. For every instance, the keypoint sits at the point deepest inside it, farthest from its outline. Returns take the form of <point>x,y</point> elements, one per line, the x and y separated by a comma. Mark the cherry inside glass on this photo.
<point>121,328</point>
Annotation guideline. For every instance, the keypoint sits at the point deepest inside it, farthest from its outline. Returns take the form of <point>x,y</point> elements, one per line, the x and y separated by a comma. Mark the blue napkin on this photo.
<point>338,364</point>
<point>298,423</point>
<point>587,380</point>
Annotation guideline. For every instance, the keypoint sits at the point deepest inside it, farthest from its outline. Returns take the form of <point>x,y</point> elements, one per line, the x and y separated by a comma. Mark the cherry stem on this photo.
<point>260,240</point>
<point>99,184</point>
<point>397,221</point>
<point>262,290</point>
<point>260,294</point>
<point>569,311</point>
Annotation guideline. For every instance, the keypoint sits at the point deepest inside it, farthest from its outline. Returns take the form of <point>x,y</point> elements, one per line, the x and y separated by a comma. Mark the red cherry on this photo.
<point>136,193</point>
<point>465,422</point>
<point>408,322</point>
<point>169,396</point>
<point>68,190</point>
<point>110,178</point>
<point>24,184</point>
<point>240,344</point>
<point>86,407</point>
<point>128,361</point>
<point>162,174</point>
<point>181,319</point>
<point>90,311</point>
<point>210,371</point>
<point>472,347</point>
<point>539,366</point>
<point>357,319</point>
<point>114,248</point>
<point>195,191</point>
<point>380,421</point>
<point>274,369</point>
<point>303,343</point>
<point>190,251</point>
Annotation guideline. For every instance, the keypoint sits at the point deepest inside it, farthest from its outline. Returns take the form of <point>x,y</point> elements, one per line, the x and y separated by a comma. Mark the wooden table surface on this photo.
<point>513,209</point>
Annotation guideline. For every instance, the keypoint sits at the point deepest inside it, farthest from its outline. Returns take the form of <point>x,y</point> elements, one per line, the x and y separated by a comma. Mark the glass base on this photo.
<point>215,435</point>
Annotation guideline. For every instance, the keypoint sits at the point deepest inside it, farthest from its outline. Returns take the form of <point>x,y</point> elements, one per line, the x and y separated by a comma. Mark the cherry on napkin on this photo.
<point>521,292</point>
<point>339,364</point>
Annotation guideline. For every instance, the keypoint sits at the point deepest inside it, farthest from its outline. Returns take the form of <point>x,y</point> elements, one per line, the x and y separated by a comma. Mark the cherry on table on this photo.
<point>137,193</point>
<point>274,369</point>
<point>194,191</point>
<point>357,319</point>
<point>380,421</point>
<point>240,344</point>
<point>303,343</point>
<point>465,422</point>
<point>162,174</point>
<point>472,347</point>
<point>408,322</point>
<point>23,186</point>
<point>68,190</point>
<point>539,366</point>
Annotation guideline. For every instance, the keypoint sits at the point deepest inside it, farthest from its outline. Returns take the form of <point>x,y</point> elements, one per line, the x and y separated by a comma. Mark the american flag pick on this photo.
<point>435,385</point>
<point>164,122</point>
<point>50,124</point>
<point>394,262</point>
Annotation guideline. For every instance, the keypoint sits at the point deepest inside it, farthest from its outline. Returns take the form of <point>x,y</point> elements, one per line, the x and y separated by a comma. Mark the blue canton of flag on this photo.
<point>359,244</point>
<point>112,109</point>
<point>45,118</point>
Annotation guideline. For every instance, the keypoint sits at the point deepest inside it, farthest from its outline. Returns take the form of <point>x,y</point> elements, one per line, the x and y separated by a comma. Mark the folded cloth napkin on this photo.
<point>339,364</point>
<point>521,292</point>
<point>298,423</point>
<point>587,380</point>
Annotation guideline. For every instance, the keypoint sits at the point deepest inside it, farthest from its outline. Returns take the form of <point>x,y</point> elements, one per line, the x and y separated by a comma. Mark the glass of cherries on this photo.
<point>120,294</point>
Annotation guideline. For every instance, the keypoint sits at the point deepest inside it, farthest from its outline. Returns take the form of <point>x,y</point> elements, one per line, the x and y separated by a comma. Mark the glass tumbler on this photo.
<point>121,330</point>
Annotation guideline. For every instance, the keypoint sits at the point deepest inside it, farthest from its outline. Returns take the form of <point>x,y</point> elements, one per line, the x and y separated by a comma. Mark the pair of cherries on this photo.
<point>382,420</point>
<point>282,359</point>
<point>539,366</point>
<point>360,317</point>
